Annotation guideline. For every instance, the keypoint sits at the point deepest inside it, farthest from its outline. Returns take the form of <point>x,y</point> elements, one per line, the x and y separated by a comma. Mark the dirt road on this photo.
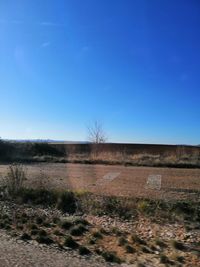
<point>117,180</point>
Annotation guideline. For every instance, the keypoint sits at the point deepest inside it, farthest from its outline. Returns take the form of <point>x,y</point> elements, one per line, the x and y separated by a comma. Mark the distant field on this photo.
<point>176,183</point>
<point>106,153</point>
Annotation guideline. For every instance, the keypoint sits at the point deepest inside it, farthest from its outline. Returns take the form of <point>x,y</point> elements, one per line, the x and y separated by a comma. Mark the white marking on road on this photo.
<point>109,177</point>
<point>154,182</point>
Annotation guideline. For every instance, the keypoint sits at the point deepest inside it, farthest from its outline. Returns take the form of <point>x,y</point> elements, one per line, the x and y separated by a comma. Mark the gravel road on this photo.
<point>16,253</point>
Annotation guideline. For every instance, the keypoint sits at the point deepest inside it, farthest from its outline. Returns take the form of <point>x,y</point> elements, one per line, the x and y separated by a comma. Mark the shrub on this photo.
<point>137,239</point>
<point>39,196</point>
<point>66,224</point>
<point>146,249</point>
<point>39,220</point>
<point>122,241</point>
<point>143,206</point>
<point>69,242</point>
<point>129,249</point>
<point>42,232</point>
<point>92,241</point>
<point>57,232</point>
<point>81,221</point>
<point>78,230</point>
<point>110,257</point>
<point>67,202</point>
<point>33,226</point>
<point>42,149</point>
<point>44,240</point>
<point>34,232</point>
<point>25,236</point>
<point>160,243</point>
<point>83,250</point>
<point>14,179</point>
<point>178,245</point>
<point>164,259</point>
<point>97,235</point>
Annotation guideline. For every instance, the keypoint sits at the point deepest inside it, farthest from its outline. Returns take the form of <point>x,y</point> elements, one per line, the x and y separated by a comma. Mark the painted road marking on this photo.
<point>154,182</point>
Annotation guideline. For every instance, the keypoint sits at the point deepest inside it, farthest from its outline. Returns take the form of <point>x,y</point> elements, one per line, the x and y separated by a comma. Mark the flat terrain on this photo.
<point>115,180</point>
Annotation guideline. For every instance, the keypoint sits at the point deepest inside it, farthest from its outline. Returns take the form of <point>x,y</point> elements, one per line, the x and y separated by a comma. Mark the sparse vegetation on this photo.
<point>177,245</point>
<point>122,241</point>
<point>83,250</point>
<point>78,230</point>
<point>110,256</point>
<point>69,242</point>
<point>14,180</point>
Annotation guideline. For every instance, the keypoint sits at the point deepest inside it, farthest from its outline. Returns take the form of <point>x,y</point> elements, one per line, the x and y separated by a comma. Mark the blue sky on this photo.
<point>133,65</point>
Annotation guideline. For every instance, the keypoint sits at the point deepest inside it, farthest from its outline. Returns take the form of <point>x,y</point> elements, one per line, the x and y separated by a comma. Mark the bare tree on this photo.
<point>96,133</point>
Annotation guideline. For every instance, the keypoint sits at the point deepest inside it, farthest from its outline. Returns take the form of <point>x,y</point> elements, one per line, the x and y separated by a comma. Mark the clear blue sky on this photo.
<point>134,65</point>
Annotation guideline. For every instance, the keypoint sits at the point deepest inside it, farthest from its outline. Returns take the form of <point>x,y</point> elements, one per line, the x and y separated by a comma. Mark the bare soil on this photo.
<point>176,183</point>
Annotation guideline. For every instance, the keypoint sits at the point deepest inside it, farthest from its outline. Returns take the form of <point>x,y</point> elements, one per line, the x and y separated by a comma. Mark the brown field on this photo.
<point>176,183</point>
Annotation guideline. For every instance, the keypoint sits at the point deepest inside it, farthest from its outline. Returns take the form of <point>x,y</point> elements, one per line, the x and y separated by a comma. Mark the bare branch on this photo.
<point>96,133</point>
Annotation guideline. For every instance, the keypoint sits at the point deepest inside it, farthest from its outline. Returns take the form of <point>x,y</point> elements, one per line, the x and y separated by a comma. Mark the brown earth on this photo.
<point>176,183</point>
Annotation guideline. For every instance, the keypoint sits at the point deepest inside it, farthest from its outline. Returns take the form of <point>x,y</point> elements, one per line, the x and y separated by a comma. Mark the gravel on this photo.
<point>17,254</point>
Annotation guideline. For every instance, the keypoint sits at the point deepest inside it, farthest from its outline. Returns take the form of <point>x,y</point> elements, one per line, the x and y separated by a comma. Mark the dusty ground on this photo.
<point>17,254</point>
<point>115,180</point>
<point>28,252</point>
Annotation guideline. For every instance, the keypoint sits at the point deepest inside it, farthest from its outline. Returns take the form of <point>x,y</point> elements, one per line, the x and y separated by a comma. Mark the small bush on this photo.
<point>66,224</point>
<point>67,202</point>
<point>44,240</point>
<point>78,230</point>
<point>110,257</point>
<point>160,243</point>
<point>129,249</point>
<point>92,241</point>
<point>83,250</point>
<point>179,258</point>
<point>81,221</point>
<point>122,241</point>
<point>25,236</point>
<point>143,206</point>
<point>39,196</point>
<point>57,232</point>
<point>14,179</point>
<point>97,235</point>
<point>33,226</point>
<point>178,245</point>
<point>146,249</point>
<point>39,220</point>
<point>164,259</point>
<point>116,231</point>
<point>69,242</point>
<point>2,225</point>
<point>137,239</point>
<point>42,232</point>
<point>34,232</point>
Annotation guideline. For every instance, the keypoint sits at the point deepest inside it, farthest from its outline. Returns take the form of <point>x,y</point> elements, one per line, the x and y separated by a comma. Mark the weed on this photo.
<point>177,245</point>
<point>122,241</point>
<point>78,230</point>
<point>129,249</point>
<point>67,202</point>
<point>25,236</point>
<point>66,224</point>
<point>146,249</point>
<point>83,250</point>
<point>137,239</point>
<point>44,240</point>
<point>69,242</point>
<point>160,243</point>
<point>97,235</point>
<point>110,256</point>
<point>164,259</point>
